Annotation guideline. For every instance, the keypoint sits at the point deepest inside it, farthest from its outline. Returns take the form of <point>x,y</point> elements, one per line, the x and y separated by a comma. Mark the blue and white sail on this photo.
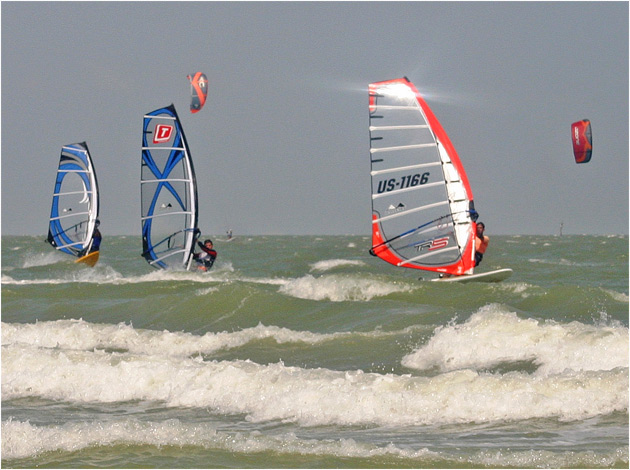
<point>168,192</point>
<point>75,202</point>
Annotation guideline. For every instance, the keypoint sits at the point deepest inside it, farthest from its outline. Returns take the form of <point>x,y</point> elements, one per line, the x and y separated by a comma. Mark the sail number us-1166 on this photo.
<point>403,182</point>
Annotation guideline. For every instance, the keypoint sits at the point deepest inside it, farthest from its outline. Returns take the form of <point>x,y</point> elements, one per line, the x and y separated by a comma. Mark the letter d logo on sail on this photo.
<point>162,133</point>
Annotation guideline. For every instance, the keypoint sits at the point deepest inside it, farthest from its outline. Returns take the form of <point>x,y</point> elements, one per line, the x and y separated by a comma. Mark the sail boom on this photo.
<point>61,247</point>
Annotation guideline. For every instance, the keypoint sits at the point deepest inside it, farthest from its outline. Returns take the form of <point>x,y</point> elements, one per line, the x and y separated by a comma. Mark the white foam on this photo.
<point>309,397</point>
<point>327,265</point>
<point>82,335</point>
<point>617,296</point>
<point>22,440</point>
<point>338,288</point>
<point>493,335</point>
<point>104,274</point>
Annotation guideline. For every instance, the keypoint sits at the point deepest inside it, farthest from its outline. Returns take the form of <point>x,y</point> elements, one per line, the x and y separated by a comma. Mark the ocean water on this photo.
<point>306,352</point>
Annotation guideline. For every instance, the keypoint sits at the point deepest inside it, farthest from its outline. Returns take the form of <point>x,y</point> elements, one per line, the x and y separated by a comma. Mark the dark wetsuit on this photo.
<point>205,261</point>
<point>96,241</point>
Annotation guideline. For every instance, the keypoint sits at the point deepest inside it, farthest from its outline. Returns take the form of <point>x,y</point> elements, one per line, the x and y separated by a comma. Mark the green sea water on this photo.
<point>303,352</point>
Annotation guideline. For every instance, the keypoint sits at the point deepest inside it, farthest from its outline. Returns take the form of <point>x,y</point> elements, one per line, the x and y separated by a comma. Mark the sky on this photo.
<point>282,145</point>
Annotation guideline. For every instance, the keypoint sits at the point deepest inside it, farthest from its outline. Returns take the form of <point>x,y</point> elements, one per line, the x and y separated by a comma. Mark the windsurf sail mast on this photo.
<point>168,192</point>
<point>423,214</point>
<point>75,201</point>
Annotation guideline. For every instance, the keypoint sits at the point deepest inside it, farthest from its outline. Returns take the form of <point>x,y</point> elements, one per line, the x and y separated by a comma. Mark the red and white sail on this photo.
<point>422,205</point>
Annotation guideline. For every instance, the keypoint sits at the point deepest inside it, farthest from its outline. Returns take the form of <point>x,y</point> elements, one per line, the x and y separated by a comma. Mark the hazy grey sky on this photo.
<point>282,145</point>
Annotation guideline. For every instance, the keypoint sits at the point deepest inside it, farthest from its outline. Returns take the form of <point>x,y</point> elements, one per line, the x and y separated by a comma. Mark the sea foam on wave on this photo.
<point>309,397</point>
<point>23,440</point>
<point>493,336</point>
<point>339,288</point>
<point>82,335</point>
<point>326,265</point>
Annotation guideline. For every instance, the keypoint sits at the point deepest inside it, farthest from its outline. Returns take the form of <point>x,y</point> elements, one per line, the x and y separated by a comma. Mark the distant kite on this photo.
<point>582,141</point>
<point>198,91</point>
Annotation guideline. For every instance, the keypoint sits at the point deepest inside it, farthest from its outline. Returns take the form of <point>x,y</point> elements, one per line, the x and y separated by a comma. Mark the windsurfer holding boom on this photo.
<point>205,258</point>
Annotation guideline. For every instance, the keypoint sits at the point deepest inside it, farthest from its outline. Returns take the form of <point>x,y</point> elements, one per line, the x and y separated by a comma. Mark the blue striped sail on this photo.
<point>75,201</point>
<point>168,192</point>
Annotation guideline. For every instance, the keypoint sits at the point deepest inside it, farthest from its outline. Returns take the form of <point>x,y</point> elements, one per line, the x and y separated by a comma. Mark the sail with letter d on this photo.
<point>423,213</point>
<point>75,202</point>
<point>168,192</point>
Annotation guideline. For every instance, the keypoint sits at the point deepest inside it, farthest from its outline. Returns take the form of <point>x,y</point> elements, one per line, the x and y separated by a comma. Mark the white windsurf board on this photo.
<point>490,276</point>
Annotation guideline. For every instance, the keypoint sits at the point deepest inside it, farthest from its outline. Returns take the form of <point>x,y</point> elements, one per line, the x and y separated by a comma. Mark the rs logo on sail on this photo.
<point>434,244</point>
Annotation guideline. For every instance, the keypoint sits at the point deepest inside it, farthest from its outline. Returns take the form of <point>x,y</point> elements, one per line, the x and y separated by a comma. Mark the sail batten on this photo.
<point>166,215</point>
<point>422,204</point>
<point>398,128</point>
<point>403,168</point>
<point>75,201</point>
<point>168,192</point>
<point>401,147</point>
<point>384,107</point>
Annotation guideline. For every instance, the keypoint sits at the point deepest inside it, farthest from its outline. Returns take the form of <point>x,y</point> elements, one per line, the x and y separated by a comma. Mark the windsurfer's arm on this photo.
<point>481,244</point>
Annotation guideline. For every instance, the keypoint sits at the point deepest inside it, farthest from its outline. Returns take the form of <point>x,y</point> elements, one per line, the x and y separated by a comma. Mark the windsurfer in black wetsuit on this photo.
<point>205,258</point>
<point>96,237</point>
<point>96,241</point>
